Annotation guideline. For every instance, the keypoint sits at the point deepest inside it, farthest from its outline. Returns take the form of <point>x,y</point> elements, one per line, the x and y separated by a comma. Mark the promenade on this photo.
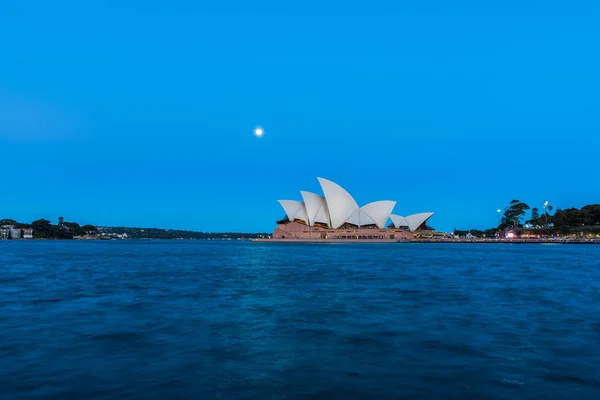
<point>472,241</point>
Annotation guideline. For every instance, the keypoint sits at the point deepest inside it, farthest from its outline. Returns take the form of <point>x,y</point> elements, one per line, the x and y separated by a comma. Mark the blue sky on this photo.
<point>141,113</point>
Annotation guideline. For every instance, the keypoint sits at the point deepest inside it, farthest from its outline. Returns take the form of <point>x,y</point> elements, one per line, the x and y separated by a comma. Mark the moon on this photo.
<point>258,132</point>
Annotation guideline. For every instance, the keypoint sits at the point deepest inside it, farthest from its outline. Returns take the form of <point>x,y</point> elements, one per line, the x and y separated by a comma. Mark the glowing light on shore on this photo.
<point>258,132</point>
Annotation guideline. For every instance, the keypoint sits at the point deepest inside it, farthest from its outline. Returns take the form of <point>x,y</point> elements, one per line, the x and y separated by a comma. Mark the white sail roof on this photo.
<point>337,206</point>
<point>294,209</point>
<point>339,202</point>
<point>416,220</point>
<point>397,220</point>
<point>412,221</point>
<point>316,208</point>
<point>379,211</point>
<point>360,218</point>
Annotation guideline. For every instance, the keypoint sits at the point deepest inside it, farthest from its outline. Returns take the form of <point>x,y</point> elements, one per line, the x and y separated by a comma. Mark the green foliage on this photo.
<point>14,223</point>
<point>587,216</point>
<point>594,213</point>
<point>535,219</point>
<point>89,229</point>
<point>488,233</point>
<point>157,233</point>
<point>513,214</point>
<point>73,228</point>
<point>43,229</point>
<point>546,220</point>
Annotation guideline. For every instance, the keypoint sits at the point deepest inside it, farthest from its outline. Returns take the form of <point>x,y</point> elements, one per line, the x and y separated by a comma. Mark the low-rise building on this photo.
<point>15,233</point>
<point>11,232</point>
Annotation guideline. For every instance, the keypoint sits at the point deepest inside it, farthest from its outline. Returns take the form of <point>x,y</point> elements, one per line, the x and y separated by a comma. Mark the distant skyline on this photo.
<point>137,113</point>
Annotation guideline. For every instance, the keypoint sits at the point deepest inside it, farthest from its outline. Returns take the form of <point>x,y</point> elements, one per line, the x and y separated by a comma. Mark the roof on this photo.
<point>340,203</point>
<point>412,221</point>
<point>294,209</point>
<point>316,208</point>
<point>337,207</point>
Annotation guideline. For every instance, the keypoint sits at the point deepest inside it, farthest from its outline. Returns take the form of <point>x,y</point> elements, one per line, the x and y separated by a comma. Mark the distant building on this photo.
<point>10,232</point>
<point>15,233</point>
<point>336,215</point>
<point>27,233</point>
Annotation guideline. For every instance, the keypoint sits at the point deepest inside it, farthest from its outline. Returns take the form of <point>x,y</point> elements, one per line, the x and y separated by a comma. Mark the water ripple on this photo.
<point>145,320</point>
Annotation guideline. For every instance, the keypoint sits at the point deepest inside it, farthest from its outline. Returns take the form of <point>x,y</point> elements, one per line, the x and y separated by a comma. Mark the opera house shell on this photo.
<point>336,215</point>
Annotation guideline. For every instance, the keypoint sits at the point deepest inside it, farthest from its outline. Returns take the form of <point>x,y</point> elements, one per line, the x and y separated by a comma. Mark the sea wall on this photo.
<point>296,231</point>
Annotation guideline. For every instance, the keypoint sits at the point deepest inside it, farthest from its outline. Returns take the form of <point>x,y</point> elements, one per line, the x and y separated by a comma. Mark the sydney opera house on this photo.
<point>336,215</point>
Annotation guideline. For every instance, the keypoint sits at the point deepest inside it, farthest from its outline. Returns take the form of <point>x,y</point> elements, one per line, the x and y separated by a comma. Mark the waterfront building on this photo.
<point>11,232</point>
<point>336,215</point>
<point>15,233</point>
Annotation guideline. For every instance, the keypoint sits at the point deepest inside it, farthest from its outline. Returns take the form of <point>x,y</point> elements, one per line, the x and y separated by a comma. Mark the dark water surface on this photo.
<point>199,320</point>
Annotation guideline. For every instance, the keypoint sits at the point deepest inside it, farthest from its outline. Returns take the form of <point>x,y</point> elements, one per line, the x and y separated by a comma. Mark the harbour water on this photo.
<point>240,320</point>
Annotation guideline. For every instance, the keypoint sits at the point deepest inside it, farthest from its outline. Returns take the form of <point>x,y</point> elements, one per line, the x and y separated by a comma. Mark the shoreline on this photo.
<point>340,241</point>
<point>461,241</point>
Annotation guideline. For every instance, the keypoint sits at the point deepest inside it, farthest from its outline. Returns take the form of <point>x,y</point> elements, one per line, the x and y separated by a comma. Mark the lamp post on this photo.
<point>545,212</point>
<point>499,211</point>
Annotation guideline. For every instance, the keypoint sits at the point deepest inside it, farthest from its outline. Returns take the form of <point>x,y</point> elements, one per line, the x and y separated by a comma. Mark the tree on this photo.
<point>594,213</point>
<point>587,216</point>
<point>61,221</point>
<point>89,228</point>
<point>559,218</point>
<point>490,233</point>
<point>569,217</point>
<point>547,216</point>
<point>73,228</point>
<point>535,217</point>
<point>42,228</point>
<point>513,214</point>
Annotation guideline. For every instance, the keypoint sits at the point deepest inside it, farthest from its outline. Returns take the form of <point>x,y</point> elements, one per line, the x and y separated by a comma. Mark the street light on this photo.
<point>499,211</point>
<point>545,213</point>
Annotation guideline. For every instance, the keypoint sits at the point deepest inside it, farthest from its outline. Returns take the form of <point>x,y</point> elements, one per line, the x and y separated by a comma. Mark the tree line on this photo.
<point>157,233</point>
<point>567,220</point>
<point>514,216</point>
<point>44,229</point>
<point>586,216</point>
